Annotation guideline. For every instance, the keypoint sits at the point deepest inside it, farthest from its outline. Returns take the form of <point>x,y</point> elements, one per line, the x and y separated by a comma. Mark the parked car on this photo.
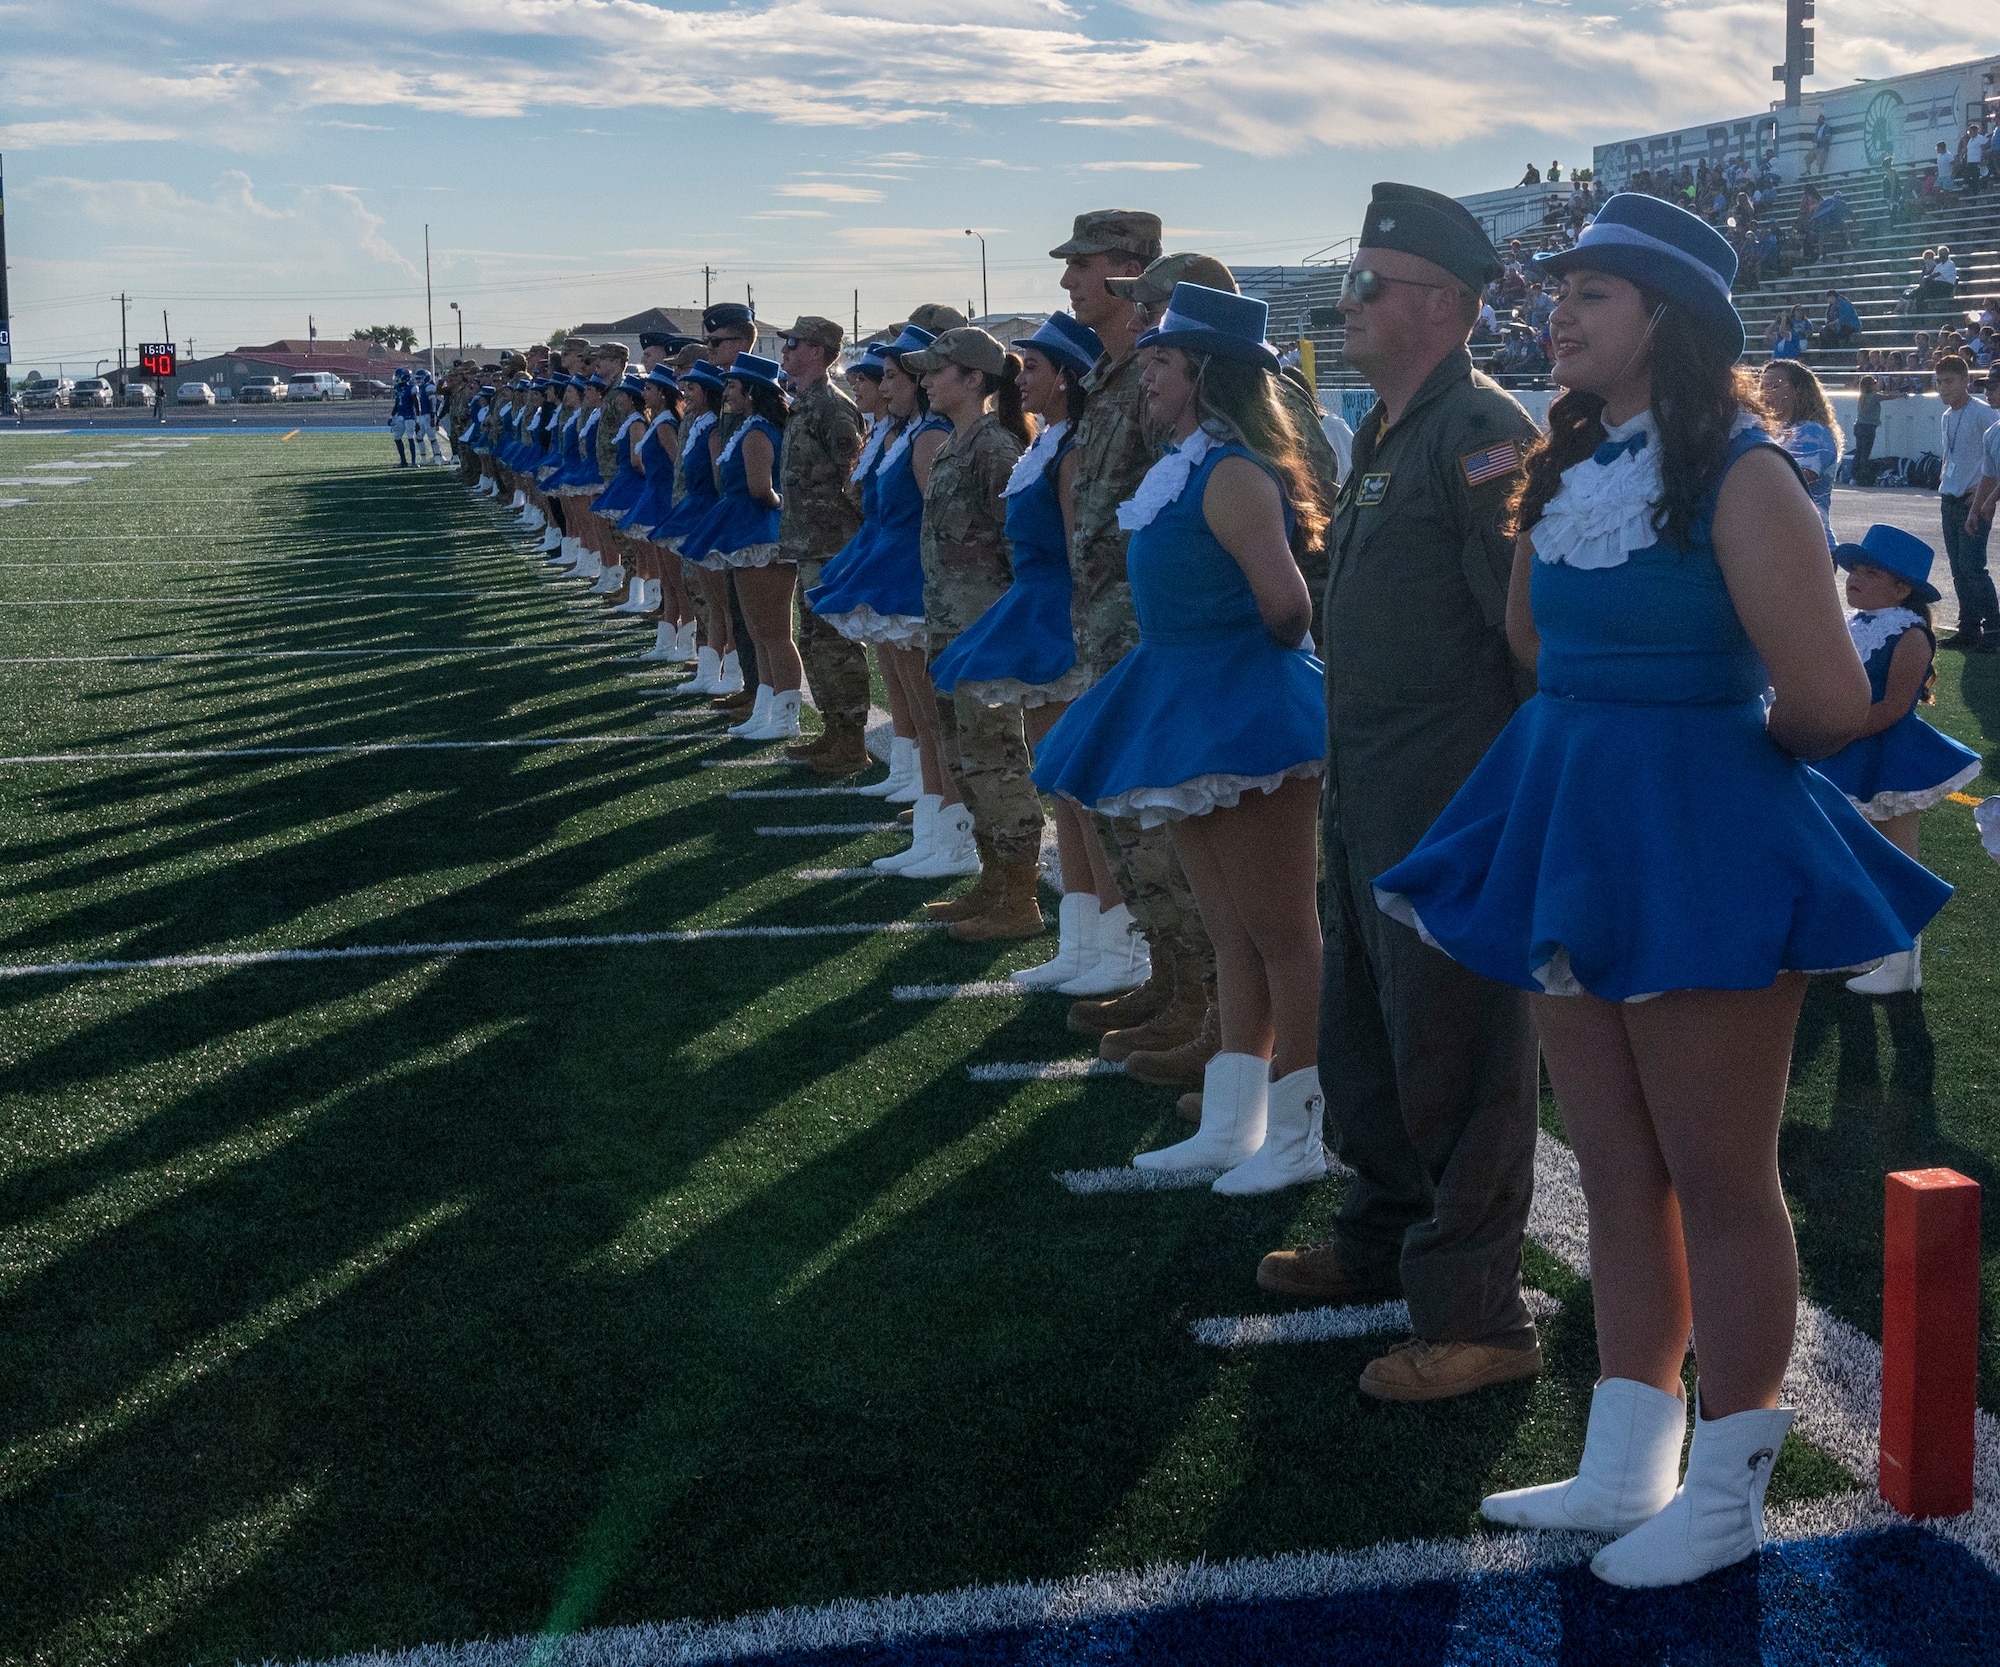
<point>369,388</point>
<point>224,394</point>
<point>45,393</point>
<point>261,390</point>
<point>92,390</point>
<point>138,393</point>
<point>317,384</point>
<point>194,393</point>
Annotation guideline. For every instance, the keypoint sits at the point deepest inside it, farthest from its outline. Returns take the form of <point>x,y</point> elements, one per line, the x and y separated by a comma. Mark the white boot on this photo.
<point>663,644</point>
<point>1233,1088</point>
<point>1114,956</point>
<point>519,500</point>
<point>747,729</point>
<point>591,567</point>
<point>639,600</point>
<point>1631,1462</point>
<point>953,850</point>
<point>912,785</point>
<point>552,541</point>
<point>1898,975</point>
<point>684,642</point>
<point>1294,1148</point>
<point>1716,1517</point>
<point>609,580</point>
<point>572,550</point>
<point>1071,925</point>
<point>927,807</point>
<point>902,768</point>
<point>780,722</point>
<point>729,680</point>
<point>533,520</point>
<point>707,679</point>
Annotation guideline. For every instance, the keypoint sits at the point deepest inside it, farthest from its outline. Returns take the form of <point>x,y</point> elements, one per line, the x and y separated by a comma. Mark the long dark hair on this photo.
<point>1698,390</point>
<point>1075,395</point>
<point>1005,390</point>
<point>1245,397</point>
<point>767,402</point>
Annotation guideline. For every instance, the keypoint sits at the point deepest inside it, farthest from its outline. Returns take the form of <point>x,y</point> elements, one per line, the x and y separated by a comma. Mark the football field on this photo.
<point>481,1175</point>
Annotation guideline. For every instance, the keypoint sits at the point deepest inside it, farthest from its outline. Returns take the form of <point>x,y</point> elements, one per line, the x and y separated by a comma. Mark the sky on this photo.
<point>248,165</point>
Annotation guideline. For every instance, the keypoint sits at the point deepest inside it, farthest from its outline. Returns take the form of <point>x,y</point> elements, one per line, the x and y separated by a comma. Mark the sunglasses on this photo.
<point>1364,284</point>
<point>726,336</point>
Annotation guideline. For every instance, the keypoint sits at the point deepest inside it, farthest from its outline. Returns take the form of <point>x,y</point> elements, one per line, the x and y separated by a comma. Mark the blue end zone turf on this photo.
<point>1899,1596</point>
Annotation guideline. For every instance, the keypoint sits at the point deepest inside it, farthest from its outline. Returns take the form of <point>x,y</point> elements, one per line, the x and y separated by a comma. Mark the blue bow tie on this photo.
<point>1612,450</point>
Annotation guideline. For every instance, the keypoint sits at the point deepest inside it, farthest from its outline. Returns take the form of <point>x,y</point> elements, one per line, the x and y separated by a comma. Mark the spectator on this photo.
<point>1555,173</point>
<point>1989,314</point>
<point>1533,176</point>
<point>1895,194</point>
<point>1922,356</point>
<point>1962,434</point>
<point>1806,430</point>
<point>1822,146</point>
<point>1843,323</point>
<point>1972,171</point>
<point>1867,419</point>
<point>1488,327</point>
<point>1943,168</point>
<point>1540,305</point>
<point>1937,282</point>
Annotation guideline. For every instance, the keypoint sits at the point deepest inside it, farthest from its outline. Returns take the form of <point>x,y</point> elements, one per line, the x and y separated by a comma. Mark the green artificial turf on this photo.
<point>362,1304</point>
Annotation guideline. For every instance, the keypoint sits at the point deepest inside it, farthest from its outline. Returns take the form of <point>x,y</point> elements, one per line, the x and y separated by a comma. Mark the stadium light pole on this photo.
<point>461,328</point>
<point>6,331</point>
<point>430,328</point>
<point>985,299</point>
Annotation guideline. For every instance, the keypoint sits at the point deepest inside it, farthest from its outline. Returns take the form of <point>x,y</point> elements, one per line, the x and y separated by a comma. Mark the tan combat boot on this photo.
<point>842,751</point>
<point>808,747</point>
<point>1096,1017</point>
<point>1176,1023</point>
<point>974,900</point>
<point>1012,908</point>
<point>1184,1065</point>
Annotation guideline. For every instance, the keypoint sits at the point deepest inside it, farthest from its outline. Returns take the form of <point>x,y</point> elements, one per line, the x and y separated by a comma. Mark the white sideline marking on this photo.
<point>1045,1070</point>
<point>284,654</point>
<point>1124,1178</point>
<point>1325,1325</point>
<point>41,480</point>
<point>747,763</point>
<point>14,503</point>
<point>239,561</point>
<point>956,992</point>
<point>287,596</point>
<point>834,874</point>
<point>796,792</point>
<point>365,952</point>
<point>829,828</point>
<point>349,747</point>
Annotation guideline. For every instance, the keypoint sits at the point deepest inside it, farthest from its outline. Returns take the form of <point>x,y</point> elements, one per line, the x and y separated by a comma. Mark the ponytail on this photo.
<point>1006,391</point>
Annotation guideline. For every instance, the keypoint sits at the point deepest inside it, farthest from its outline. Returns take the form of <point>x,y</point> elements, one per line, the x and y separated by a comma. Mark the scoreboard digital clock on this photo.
<point>157,359</point>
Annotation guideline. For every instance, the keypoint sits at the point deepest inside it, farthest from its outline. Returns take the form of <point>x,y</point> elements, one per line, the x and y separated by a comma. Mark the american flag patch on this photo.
<point>1490,464</point>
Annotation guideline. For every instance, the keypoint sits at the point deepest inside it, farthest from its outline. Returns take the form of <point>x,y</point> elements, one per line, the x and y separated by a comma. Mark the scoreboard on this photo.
<point>157,359</point>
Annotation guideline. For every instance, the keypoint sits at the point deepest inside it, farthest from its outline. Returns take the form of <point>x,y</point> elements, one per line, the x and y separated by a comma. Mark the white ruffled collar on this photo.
<point>1168,478</point>
<point>697,431</point>
<point>1602,512</point>
<point>878,432</point>
<point>1871,631</point>
<point>911,430</point>
<point>625,427</point>
<point>1029,465</point>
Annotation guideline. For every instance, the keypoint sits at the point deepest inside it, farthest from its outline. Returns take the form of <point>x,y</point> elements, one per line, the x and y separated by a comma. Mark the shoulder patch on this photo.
<point>1491,463</point>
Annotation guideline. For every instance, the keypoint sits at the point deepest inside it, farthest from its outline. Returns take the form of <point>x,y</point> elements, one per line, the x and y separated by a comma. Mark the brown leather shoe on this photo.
<point>1420,1371</point>
<point>1316,1271</point>
<point>1184,1066</point>
<point>972,901</point>
<point>1178,1022</point>
<point>736,705</point>
<point>1098,1017</point>
<point>808,746</point>
<point>843,752</point>
<point>1012,909</point>
<point>1188,1107</point>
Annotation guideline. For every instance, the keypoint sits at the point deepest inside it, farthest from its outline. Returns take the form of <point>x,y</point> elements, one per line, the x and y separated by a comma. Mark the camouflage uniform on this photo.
<point>968,565</point>
<point>822,440</point>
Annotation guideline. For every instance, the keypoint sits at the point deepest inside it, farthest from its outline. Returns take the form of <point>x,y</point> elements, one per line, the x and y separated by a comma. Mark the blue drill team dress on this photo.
<point>738,532</point>
<point>1634,829</point>
<point>1208,706</point>
<point>626,481</point>
<point>879,595</point>
<point>1908,766</point>
<point>583,479</point>
<point>569,454</point>
<point>697,503</point>
<point>1022,650</point>
<point>474,437</point>
<point>868,471</point>
<point>656,497</point>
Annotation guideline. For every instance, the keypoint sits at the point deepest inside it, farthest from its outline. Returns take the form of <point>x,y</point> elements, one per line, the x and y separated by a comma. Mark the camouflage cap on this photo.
<point>688,357</point>
<point>968,345</point>
<point>1157,282</point>
<point>1113,231</point>
<point>815,331</point>
<point>937,318</point>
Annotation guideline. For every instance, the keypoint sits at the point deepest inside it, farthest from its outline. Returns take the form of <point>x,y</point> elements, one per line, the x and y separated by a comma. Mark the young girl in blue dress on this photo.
<point>1806,429</point>
<point>717,670</point>
<point>1645,849</point>
<point>1899,766</point>
<point>663,590</point>
<point>1215,724</point>
<point>624,407</point>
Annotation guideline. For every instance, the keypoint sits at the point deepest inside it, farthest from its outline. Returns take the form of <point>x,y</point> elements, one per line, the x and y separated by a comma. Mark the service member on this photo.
<point>1429,1070</point>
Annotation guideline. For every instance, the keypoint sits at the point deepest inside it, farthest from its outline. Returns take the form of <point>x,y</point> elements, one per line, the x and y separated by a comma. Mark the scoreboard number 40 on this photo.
<point>157,358</point>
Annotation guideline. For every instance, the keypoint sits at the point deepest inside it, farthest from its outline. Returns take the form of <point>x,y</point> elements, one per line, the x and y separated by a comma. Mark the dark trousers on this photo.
<point>746,650</point>
<point>1978,608</point>
<point>1431,1086</point>
<point>1864,450</point>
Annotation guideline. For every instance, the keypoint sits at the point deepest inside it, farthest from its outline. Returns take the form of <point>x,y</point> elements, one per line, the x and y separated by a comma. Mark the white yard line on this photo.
<point>1325,1325</point>
<point>1044,1070</point>
<point>797,792</point>
<point>952,992</point>
<point>285,654</point>
<point>836,874</point>
<point>345,747</point>
<point>368,952</point>
<point>288,596</point>
<point>810,828</point>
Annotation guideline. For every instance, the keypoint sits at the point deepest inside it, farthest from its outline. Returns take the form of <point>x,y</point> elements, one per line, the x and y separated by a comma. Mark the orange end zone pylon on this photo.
<point>1930,1341</point>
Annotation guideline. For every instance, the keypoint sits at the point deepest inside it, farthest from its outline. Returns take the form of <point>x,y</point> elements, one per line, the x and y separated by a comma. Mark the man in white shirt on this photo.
<point>1962,445</point>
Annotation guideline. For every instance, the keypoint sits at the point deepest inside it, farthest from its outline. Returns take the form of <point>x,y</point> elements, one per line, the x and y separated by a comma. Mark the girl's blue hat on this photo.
<point>663,376</point>
<point>869,364</point>
<point>704,375</point>
<point>1894,551</point>
<point>1672,252</point>
<point>578,382</point>
<point>632,384</point>
<point>749,367</point>
<point>1203,320</point>
<point>1074,346</point>
<point>914,339</point>
<point>595,381</point>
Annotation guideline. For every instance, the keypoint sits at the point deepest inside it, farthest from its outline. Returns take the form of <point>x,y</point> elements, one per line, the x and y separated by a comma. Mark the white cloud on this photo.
<point>828,192</point>
<point>1139,167</point>
<point>79,130</point>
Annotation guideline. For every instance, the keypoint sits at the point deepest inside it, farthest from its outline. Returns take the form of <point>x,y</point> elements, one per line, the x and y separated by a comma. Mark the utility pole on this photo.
<point>430,329</point>
<point>856,337</point>
<point>121,338</point>
<point>985,295</point>
<point>160,387</point>
<point>750,301</point>
<point>312,334</point>
<point>6,330</point>
<point>707,277</point>
<point>1798,62</point>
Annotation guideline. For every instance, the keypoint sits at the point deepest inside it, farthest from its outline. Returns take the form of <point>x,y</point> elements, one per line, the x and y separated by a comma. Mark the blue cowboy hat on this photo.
<point>1673,253</point>
<point>1894,551</point>
<point>869,364</point>
<point>914,339</point>
<point>1073,346</point>
<point>1203,320</point>
<point>704,375</point>
<point>750,367</point>
<point>662,375</point>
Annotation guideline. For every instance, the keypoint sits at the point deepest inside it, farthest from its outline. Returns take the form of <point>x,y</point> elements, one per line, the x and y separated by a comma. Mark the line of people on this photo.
<point>1545,793</point>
